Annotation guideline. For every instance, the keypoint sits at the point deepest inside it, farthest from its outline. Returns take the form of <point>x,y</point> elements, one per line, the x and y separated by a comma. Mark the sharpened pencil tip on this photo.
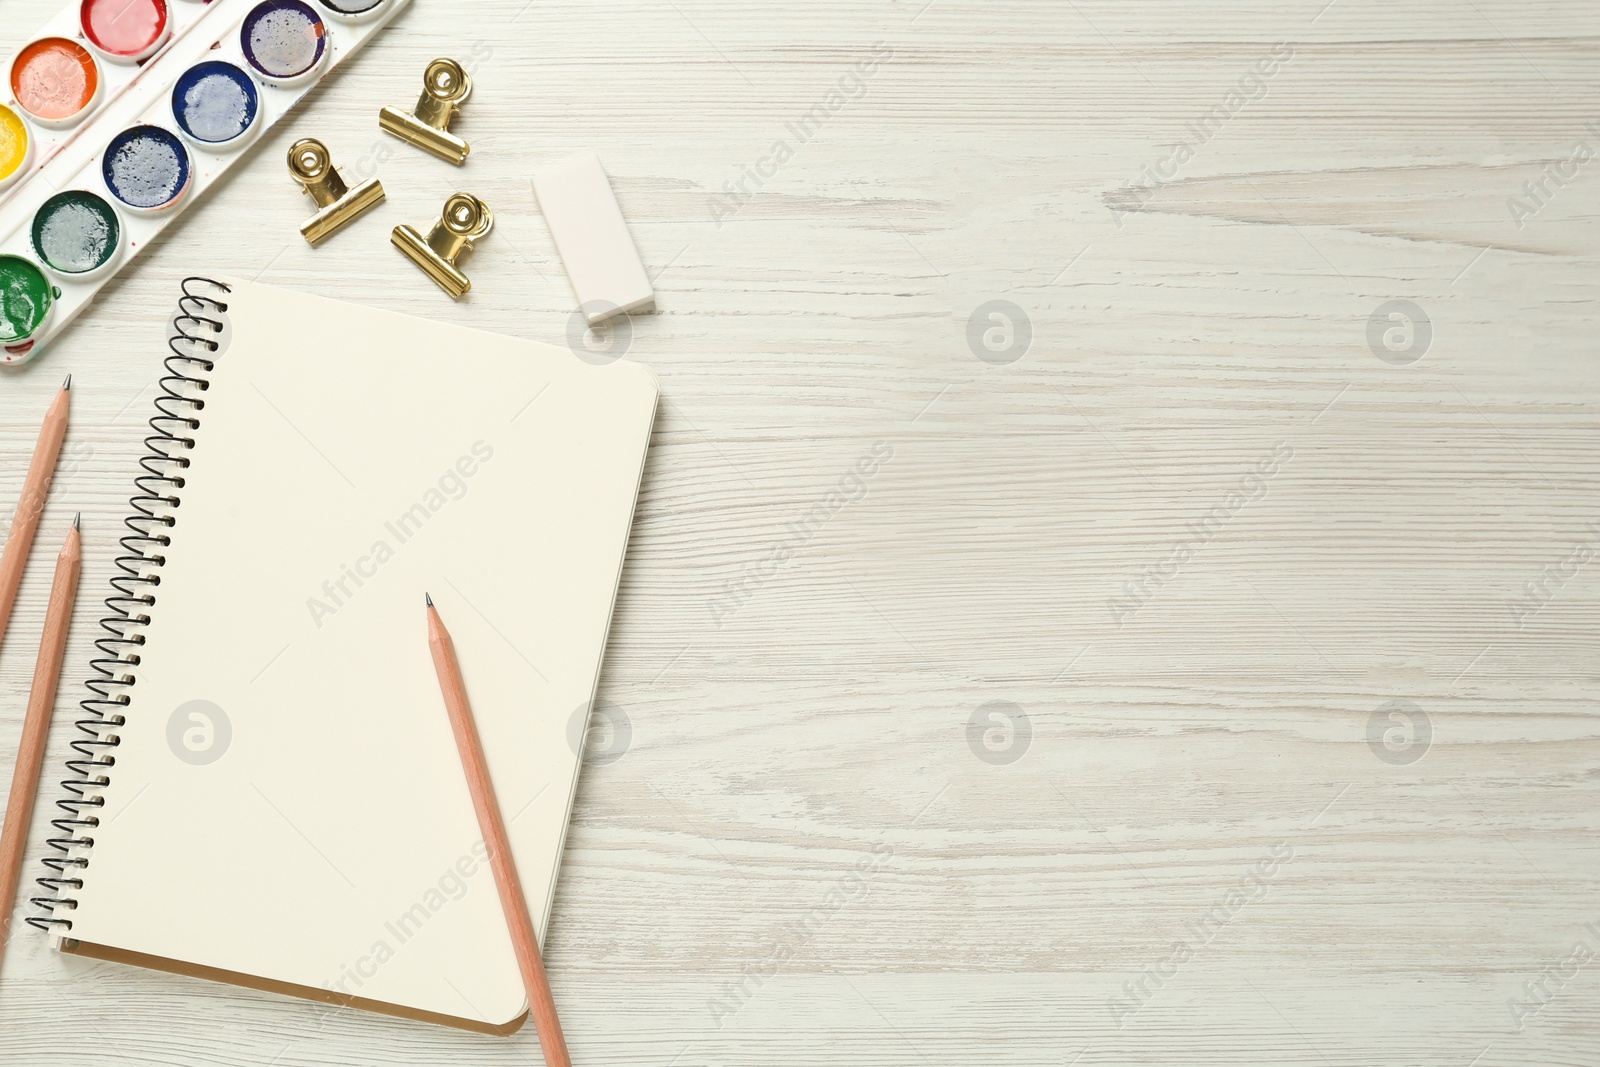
<point>75,519</point>
<point>428,598</point>
<point>68,383</point>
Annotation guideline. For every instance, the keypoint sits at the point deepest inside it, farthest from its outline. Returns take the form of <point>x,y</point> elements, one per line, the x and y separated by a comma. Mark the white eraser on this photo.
<point>594,243</point>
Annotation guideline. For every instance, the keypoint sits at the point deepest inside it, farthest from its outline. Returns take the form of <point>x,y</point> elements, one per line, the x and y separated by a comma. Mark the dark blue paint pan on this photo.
<point>215,105</point>
<point>146,168</point>
<point>284,41</point>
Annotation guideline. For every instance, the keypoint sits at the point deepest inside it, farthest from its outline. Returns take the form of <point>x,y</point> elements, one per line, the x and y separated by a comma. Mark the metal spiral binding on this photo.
<point>158,486</point>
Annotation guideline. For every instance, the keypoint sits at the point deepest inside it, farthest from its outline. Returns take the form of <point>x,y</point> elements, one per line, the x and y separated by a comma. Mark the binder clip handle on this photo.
<point>337,204</point>
<point>312,166</point>
<point>445,84</point>
<point>464,220</point>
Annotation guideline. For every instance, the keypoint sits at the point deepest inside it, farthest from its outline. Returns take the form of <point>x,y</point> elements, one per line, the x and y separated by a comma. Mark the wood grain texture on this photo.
<point>797,857</point>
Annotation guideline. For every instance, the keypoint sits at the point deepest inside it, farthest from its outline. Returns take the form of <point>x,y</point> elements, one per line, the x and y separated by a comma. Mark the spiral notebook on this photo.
<point>266,790</point>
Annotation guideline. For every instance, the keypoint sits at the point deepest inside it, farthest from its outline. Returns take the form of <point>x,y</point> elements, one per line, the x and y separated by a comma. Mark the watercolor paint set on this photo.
<point>120,113</point>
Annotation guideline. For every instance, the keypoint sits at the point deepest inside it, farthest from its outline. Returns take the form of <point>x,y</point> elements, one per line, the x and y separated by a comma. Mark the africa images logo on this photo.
<point>850,87</point>
<point>451,485</point>
<point>1252,87</point>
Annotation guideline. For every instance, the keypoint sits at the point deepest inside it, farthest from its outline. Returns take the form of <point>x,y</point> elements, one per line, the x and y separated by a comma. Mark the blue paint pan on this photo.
<point>146,168</point>
<point>215,104</point>
<point>284,41</point>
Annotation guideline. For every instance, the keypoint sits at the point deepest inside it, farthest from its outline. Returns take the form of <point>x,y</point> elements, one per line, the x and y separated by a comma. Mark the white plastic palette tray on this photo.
<point>113,74</point>
<point>132,95</point>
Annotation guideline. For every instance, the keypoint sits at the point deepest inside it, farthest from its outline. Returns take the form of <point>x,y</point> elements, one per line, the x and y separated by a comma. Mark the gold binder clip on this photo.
<point>444,86</point>
<point>338,204</point>
<point>465,219</point>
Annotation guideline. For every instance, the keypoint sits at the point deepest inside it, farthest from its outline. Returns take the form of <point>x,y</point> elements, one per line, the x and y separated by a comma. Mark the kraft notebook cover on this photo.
<point>286,808</point>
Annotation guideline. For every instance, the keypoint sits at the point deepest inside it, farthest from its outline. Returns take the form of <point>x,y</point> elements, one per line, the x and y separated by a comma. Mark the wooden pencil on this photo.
<point>25,523</point>
<point>36,726</point>
<point>523,938</point>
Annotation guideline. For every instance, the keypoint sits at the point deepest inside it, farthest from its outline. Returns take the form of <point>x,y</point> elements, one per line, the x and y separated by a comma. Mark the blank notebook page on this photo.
<point>347,461</point>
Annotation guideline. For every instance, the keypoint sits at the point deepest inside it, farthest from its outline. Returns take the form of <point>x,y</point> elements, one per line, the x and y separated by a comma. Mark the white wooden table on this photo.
<point>1196,536</point>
